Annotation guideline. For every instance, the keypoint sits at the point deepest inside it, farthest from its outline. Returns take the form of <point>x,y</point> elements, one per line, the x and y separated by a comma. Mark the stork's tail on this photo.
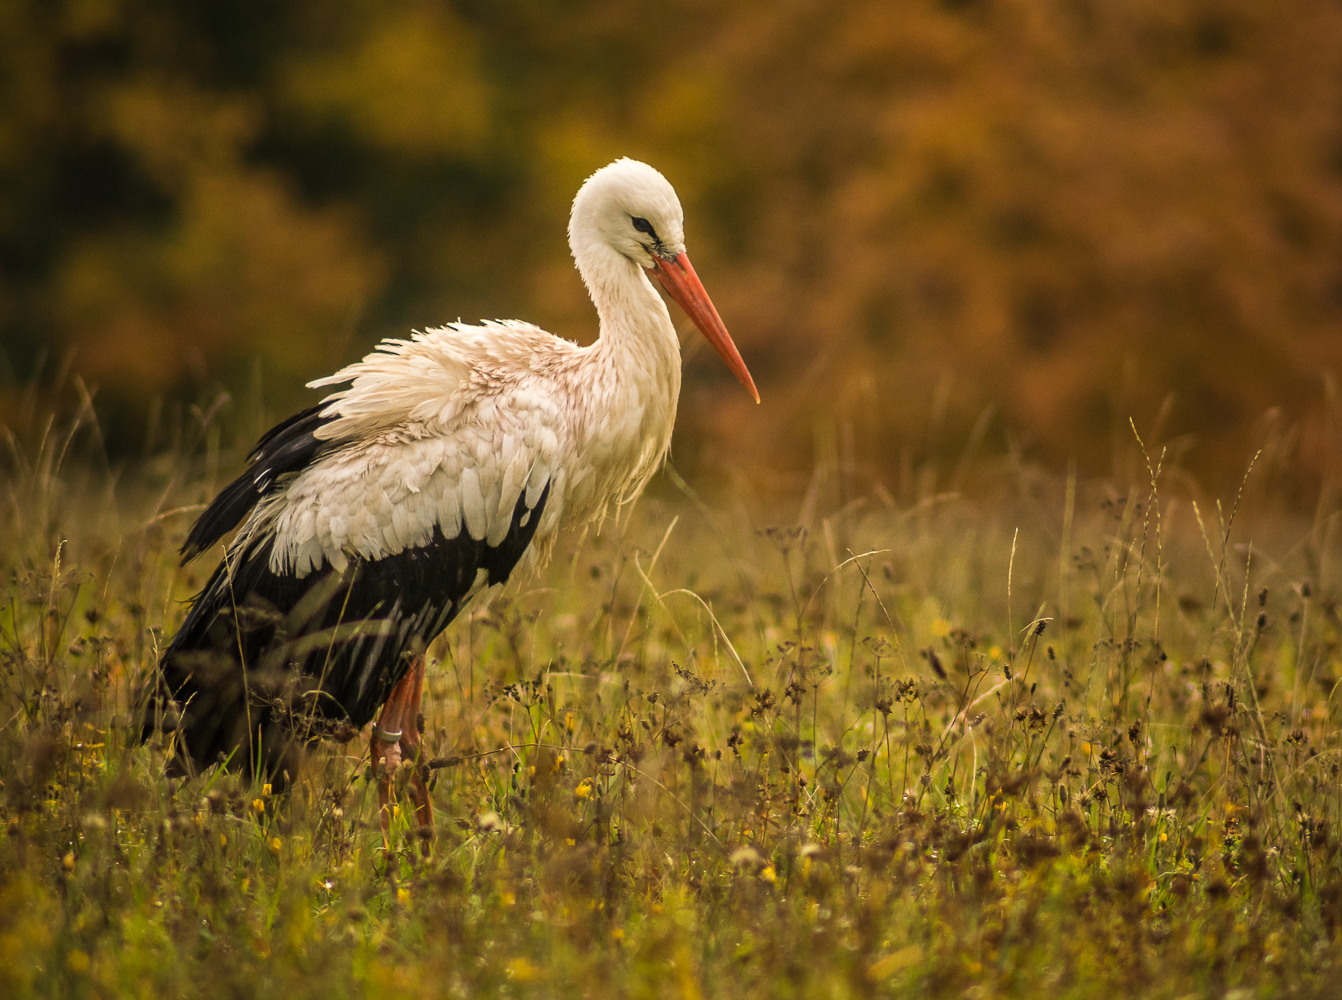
<point>212,696</point>
<point>201,701</point>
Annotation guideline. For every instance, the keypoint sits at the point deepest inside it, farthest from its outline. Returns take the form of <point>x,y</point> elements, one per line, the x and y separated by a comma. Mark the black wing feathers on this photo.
<point>265,661</point>
<point>286,447</point>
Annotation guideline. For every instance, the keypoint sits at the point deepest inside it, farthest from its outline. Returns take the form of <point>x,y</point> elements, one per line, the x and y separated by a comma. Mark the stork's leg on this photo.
<point>412,748</point>
<point>396,737</point>
<point>384,747</point>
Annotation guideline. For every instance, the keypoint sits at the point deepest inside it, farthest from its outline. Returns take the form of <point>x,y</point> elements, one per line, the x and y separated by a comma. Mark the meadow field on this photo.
<point>988,731</point>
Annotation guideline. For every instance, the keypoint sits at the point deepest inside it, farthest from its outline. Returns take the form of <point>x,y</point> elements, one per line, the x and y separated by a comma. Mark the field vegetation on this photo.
<point>1030,736</point>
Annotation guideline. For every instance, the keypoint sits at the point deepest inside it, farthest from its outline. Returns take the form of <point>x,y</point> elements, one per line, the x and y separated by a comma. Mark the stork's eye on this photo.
<point>644,226</point>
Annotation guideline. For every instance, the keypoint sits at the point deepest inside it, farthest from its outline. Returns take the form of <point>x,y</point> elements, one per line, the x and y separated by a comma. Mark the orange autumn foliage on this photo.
<point>1068,211</point>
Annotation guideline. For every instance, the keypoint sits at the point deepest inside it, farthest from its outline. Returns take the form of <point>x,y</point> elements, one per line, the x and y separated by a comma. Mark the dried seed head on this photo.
<point>487,822</point>
<point>745,857</point>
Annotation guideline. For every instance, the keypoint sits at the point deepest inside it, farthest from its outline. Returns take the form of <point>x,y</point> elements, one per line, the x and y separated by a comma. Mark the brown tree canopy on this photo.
<point>1070,211</point>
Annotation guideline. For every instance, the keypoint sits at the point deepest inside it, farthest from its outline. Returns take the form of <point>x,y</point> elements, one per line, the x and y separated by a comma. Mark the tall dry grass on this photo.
<point>1035,735</point>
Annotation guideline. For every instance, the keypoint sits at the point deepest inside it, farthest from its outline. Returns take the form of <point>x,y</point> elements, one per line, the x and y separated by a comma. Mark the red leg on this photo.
<point>396,738</point>
<point>412,749</point>
<point>384,747</point>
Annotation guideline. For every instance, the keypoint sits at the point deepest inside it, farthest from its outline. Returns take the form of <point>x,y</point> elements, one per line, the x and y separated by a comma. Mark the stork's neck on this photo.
<point>631,382</point>
<point>637,337</point>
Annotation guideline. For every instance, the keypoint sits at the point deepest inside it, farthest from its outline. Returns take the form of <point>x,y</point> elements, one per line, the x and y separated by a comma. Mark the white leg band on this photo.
<point>385,736</point>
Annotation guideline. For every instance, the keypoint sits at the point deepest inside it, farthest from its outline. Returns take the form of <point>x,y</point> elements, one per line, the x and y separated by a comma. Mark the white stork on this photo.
<point>448,461</point>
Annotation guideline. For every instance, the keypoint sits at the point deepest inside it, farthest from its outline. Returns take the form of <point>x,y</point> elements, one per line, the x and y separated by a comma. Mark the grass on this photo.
<point>1049,741</point>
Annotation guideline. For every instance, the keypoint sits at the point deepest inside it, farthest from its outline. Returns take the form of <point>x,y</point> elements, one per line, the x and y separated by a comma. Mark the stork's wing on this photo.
<point>348,565</point>
<point>285,448</point>
<point>374,500</point>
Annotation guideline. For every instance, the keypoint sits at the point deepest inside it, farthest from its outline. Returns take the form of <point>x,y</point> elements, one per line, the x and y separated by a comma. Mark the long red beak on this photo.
<point>682,284</point>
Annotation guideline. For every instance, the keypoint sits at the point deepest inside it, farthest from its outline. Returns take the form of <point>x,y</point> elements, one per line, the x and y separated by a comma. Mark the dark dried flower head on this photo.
<point>933,661</point>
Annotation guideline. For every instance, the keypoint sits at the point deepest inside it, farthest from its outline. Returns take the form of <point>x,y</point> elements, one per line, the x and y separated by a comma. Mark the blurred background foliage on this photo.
<point>931,225</point>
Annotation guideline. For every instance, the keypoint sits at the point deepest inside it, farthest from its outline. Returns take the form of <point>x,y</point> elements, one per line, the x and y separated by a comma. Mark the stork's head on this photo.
<point>631,209</point>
